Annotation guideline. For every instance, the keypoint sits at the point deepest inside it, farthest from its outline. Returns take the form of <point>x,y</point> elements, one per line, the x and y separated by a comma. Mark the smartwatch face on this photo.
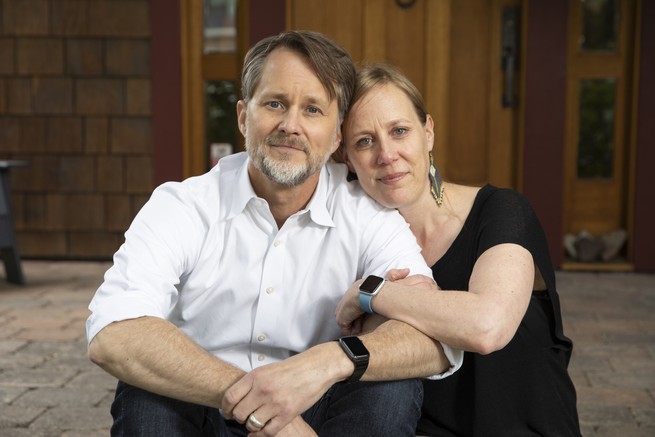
<point>370,284</point>
<point>356,346</point>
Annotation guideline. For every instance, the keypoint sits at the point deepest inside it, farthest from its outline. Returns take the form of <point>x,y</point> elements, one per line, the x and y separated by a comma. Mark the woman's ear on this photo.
<point>429,132</point>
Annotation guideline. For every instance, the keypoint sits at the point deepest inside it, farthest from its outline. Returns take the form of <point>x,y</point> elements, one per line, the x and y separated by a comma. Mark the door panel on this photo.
<point>504,122</point>
<point>468,114</point>
<point>340,19</point>
<point>596,200</point>
<point>451,51</point>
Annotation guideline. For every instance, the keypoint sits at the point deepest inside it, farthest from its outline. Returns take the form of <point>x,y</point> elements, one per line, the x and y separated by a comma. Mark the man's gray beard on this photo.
<point>284,172</point>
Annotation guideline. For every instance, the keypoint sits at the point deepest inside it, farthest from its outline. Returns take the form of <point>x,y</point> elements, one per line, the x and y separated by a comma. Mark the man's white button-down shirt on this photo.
<point>207,255</point>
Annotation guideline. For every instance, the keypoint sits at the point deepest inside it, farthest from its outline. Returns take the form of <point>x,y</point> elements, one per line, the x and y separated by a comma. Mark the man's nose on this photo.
<point>290,123</point>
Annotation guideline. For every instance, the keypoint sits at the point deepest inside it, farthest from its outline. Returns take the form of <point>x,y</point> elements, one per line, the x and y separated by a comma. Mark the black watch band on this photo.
<point>357,353</point>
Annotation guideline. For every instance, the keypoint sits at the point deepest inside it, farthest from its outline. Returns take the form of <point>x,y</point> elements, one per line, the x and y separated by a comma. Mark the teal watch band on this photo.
<point>365,302</point>
<point>369,288</point>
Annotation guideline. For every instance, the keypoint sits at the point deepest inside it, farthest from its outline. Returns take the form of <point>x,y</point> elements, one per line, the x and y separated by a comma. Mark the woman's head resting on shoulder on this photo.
<point>387,137</point>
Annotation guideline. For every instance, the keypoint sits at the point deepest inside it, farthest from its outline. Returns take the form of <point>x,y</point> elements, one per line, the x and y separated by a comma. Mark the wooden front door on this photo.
<point>598,142</point>
<point>452,51</point>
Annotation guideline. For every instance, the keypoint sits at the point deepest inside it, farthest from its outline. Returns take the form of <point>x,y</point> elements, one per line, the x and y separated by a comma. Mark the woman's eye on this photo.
<point>400,131</point>
<point>274,105</point>
<point>364,142</point>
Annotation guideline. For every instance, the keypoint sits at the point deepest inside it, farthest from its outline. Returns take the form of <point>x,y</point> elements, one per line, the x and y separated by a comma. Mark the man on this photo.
<point>224,292</point>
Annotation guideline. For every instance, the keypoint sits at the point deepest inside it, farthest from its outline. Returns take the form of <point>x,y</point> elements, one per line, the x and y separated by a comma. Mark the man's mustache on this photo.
<point>286,140</point>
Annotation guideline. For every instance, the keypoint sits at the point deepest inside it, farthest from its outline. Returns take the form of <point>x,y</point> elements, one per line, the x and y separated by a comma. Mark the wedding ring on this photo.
<point>254,422</point>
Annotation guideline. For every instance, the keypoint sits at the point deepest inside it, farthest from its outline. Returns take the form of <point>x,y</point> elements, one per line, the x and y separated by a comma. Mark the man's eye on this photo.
<point>400,131</point>
<point>274,105</point>
<point>313,110</point>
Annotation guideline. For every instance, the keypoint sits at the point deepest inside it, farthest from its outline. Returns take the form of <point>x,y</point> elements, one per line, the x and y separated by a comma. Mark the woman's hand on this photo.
<point>349,315</point>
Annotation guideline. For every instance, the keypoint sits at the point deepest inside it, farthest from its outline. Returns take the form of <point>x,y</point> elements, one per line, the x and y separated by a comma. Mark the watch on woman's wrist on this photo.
<point>367,290</point>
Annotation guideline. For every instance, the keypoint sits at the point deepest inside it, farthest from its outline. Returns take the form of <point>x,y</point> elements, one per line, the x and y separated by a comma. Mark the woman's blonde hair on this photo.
<point>370,76</point>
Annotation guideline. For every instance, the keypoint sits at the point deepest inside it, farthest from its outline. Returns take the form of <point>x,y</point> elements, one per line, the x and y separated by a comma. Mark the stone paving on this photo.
<point>48,388</point>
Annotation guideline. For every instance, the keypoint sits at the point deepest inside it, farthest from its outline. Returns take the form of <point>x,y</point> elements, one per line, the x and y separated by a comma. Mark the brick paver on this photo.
<point>47,385</point>
<point>49,388</point>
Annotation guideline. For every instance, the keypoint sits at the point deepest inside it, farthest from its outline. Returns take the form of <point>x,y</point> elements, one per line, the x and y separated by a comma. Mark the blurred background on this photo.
<point>103,100</point>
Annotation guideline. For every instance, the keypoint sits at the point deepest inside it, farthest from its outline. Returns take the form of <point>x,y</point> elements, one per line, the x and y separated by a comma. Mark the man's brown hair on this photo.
<point>331,63</point>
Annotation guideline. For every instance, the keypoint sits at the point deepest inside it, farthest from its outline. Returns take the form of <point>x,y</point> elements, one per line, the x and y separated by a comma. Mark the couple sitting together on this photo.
<point>284,294</point>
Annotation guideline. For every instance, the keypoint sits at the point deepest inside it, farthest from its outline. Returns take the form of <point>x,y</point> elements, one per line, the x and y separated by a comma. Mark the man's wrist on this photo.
<point>357,353</point>
<point>333,362</point>
<point>344,366</point>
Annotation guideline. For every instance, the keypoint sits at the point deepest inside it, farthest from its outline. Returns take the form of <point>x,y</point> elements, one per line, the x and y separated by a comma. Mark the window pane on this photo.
<point>600,22</point>
<point>596,130</point>
<point>220,30</point>
<point>221,130</point>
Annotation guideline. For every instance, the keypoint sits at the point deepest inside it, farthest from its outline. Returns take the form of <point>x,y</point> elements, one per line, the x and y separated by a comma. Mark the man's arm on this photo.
<point>276,393</point>
<point>400,351</point>
<point>153,354</point>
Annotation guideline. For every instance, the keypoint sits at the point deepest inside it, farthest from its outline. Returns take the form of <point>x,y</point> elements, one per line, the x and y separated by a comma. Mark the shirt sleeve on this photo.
<point>390,244</point>
<point>395,246</point>
<point>455,357</point>
<point>148,266</point>
<point>506,218</point>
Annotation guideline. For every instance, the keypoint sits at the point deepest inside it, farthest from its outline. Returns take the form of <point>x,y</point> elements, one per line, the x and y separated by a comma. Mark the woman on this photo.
<point>487,248</point>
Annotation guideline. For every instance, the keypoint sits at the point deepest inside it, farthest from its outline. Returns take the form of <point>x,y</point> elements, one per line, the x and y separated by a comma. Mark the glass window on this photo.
<point>221,131</point>
<point>596,130</point>
<point>220,32</point>
<point>600,25</point>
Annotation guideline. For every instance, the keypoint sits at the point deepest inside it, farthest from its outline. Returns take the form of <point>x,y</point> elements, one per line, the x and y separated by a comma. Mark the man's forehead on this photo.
<point>286,71</point>
<point>319,98</point>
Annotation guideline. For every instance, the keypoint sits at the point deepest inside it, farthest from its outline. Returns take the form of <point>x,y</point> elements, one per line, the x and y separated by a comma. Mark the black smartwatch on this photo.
<point>369,288</point>
<point>358,354</point>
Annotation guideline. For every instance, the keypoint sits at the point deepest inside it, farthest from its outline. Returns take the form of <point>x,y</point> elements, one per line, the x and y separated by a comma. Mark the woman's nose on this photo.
<point>387,153</point>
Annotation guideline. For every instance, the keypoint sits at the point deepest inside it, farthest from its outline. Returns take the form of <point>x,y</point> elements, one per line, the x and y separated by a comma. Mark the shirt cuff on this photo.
<point>455,357</point>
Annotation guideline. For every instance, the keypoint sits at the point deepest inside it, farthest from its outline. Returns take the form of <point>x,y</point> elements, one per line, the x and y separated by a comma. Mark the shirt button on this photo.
<point>277,243</point>
<point>269,290</point>
<point>261,357</point>
<point>261,338</point>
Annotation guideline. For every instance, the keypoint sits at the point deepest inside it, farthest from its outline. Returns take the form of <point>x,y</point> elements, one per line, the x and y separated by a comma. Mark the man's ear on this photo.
<point>241,116</point>
<point>337,141</point>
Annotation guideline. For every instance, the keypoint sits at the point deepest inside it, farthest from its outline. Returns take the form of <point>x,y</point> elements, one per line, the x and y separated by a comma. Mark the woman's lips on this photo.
<point>392,178</point>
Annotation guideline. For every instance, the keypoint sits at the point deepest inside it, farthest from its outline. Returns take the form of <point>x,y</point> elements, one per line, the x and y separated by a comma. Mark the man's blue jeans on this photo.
<point>366,409</point>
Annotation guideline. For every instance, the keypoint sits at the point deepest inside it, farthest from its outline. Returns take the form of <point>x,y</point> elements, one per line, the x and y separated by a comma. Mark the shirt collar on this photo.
<point>317,206</point>
<point>234,185</point>
<point>236,191</point>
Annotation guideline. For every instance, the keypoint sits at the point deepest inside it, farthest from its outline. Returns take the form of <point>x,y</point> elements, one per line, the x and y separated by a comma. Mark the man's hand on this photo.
<point>277,393</point>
